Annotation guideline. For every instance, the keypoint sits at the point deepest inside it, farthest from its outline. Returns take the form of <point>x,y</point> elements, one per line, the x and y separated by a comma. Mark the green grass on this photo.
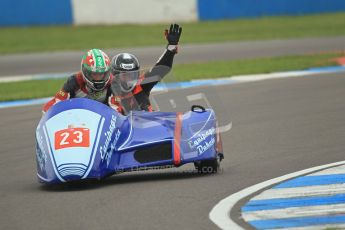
<point>29,89</point>
<point>57,38</point>
<point>185,72</point>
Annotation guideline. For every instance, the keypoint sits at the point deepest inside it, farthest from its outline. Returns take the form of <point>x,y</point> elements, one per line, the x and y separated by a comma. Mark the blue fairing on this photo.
<point>81,138</point>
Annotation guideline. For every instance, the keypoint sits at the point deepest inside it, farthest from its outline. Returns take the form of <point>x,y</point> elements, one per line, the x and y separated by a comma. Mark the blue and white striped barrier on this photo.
<point>35,12</point>
<point>232,9</point>
<point>81,12</point>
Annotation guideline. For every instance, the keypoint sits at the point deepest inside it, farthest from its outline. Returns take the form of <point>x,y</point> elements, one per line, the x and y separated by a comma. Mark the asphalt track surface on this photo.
<point>278,127</point>
<point>57,62</point>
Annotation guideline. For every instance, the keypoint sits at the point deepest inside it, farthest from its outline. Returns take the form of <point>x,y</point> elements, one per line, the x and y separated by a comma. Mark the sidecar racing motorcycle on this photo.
<point>83,139</point>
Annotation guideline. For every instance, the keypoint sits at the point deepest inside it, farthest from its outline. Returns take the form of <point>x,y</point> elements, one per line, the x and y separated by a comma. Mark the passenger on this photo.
<point>118,83</point>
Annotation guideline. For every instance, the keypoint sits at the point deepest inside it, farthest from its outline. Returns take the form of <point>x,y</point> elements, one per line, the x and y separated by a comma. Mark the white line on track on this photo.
<point>34,77</point>
<point>220,214</point>
<point>330,171</point>
<point>318,227</point>
<point>319,210</point>
<point>321,190</point>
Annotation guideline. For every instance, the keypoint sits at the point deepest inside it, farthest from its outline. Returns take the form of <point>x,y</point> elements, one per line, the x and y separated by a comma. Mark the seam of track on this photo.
<point>183,85</point>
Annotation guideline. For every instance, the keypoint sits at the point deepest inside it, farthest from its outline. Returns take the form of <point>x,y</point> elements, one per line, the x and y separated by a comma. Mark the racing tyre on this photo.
<point>209,166</point>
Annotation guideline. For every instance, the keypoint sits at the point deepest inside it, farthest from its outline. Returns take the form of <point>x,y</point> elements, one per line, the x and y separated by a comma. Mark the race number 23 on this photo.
<point>72,137</point>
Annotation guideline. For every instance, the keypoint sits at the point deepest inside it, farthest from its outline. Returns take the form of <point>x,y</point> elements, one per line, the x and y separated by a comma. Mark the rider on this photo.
<point>93,81</point>
<point>123,90</point>
<point>130,89</point>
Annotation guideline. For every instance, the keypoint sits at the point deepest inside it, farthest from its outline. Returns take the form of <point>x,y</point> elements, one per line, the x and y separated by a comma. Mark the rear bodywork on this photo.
<point>81,139</point>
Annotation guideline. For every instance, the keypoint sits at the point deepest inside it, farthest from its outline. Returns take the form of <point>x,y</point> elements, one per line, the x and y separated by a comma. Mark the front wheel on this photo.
<point>209,166</point>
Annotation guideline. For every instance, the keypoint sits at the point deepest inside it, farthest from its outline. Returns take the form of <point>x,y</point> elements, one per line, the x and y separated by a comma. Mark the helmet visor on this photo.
<point>128,79</point>
<point>98,80</point>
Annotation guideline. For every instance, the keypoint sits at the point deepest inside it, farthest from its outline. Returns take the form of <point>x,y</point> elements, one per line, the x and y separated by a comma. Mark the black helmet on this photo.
<point>125,68</point>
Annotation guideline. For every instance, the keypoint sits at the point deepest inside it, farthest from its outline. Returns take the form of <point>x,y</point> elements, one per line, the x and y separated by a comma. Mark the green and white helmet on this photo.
<point>95,67</point>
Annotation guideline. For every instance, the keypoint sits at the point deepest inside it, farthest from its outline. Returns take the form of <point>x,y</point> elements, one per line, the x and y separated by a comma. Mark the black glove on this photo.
<point>173,35</point>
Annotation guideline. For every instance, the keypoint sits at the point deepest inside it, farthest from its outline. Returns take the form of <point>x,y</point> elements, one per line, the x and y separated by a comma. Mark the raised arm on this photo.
<point>165,62</point>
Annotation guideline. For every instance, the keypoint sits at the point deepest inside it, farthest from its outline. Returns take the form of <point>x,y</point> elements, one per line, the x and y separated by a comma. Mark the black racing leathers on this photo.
<point>112,95</point>
<point>138,98</point>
